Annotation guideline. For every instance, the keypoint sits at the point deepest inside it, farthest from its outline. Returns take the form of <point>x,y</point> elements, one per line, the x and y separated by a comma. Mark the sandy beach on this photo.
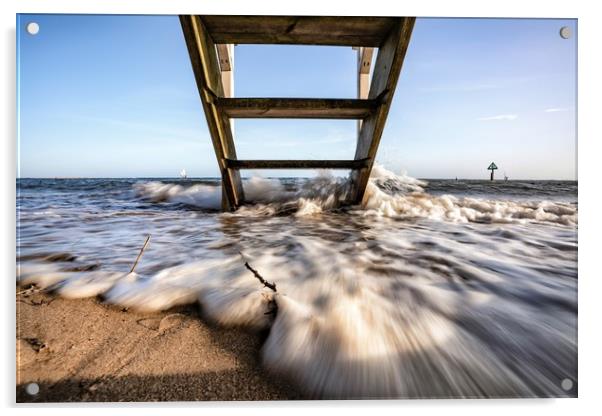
<point>84,350</point>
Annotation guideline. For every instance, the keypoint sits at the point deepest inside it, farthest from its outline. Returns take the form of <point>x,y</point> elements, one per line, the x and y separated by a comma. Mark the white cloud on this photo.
<point>508,117</point>
<point>555,110</point>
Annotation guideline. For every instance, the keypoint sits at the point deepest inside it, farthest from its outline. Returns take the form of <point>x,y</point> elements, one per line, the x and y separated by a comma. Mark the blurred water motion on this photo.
<point>445,289</point>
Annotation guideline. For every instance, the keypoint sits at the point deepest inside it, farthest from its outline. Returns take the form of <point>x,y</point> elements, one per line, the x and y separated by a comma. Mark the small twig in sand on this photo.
<point>258,276</point>
<point>29,290</point>
<point>140,254</point>
<point>34,289</point>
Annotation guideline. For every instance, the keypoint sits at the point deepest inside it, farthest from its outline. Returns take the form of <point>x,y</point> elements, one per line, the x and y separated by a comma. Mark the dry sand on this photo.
<point>83,350</point>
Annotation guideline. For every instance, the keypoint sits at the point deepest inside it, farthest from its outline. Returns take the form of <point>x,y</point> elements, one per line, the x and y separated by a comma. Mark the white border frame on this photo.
<point>590,287</point>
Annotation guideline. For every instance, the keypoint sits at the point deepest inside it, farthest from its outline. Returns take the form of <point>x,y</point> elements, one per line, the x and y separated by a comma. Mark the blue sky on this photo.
<point>115,96</point>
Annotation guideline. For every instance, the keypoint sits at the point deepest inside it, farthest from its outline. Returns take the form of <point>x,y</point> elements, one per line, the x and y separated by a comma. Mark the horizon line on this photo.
<point>275,177</point>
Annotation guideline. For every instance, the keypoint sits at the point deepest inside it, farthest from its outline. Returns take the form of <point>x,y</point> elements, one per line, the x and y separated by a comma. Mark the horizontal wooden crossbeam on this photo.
<point>296,108</point>
<point>296,164</point>
<point>307,30</point>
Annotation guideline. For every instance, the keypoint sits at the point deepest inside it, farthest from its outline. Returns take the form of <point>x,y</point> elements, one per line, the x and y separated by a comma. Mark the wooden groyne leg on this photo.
<point>364,62</point>
<point>388,65</point>
<point>206,67</point>
<point>225,55</point>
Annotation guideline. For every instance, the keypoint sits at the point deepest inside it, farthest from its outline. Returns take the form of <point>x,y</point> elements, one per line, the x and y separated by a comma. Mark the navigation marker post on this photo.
<point>492,168</point>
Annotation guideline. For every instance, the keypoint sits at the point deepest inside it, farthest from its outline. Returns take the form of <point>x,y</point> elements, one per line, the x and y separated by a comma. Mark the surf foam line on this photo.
<point>342,330</point>
<point>387,195</point>
<point>335,336</point>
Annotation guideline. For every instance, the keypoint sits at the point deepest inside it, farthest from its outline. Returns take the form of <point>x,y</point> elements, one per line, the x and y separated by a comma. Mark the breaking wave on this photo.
<point>387,195</point>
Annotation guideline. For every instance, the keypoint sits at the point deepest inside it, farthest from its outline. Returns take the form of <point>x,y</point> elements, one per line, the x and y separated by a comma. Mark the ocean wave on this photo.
<point>387,194</point>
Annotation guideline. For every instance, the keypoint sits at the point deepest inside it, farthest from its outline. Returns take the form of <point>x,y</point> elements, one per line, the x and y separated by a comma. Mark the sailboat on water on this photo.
<point>183,174</point>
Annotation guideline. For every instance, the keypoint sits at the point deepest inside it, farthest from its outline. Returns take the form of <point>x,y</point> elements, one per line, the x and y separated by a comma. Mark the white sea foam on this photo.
<point>389,311</point>
<point>202,196</point>
<point>466,209</point>
<point>341,329</point>
<point>387,194</point>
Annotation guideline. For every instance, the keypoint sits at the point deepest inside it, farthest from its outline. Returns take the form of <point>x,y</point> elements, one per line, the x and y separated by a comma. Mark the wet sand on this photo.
<point>84,350</point>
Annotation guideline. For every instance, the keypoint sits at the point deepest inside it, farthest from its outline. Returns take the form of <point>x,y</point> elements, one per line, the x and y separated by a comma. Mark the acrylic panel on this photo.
<point>295,208</point>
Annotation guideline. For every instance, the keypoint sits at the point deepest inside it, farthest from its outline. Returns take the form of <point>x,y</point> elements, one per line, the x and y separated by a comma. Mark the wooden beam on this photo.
<point>308,30</point>
<point>384,81</point>
<point>225,55</point>
<point>296,108</point>
<point>297,164</point>
<point>205,65</point>
<point>364,63</point>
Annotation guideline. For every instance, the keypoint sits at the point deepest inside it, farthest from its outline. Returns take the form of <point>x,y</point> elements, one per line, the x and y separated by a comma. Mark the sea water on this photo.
<point>428,289</point>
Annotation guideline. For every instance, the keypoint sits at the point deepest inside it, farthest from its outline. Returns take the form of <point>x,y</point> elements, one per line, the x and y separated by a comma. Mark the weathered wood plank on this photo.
<point>296,108</point>
<point>225,56</point>
<point>203,58</point>
<point>296,164</point>
<point>364,63</point>
<point>384,80</point>
<point>308,30</point>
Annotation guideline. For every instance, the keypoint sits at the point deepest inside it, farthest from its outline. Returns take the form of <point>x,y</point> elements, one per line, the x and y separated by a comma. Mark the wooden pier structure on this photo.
<point>209,39</point>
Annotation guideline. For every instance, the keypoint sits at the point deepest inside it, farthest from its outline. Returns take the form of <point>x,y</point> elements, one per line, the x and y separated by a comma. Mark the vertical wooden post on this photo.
<point>225,54</point>
<point>389,60</point>
<point>364,61</point>
<point>203,56</point>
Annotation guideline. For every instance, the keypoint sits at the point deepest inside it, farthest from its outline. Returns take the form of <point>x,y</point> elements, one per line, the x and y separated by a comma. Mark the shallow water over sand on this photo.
<point>445,289</point>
